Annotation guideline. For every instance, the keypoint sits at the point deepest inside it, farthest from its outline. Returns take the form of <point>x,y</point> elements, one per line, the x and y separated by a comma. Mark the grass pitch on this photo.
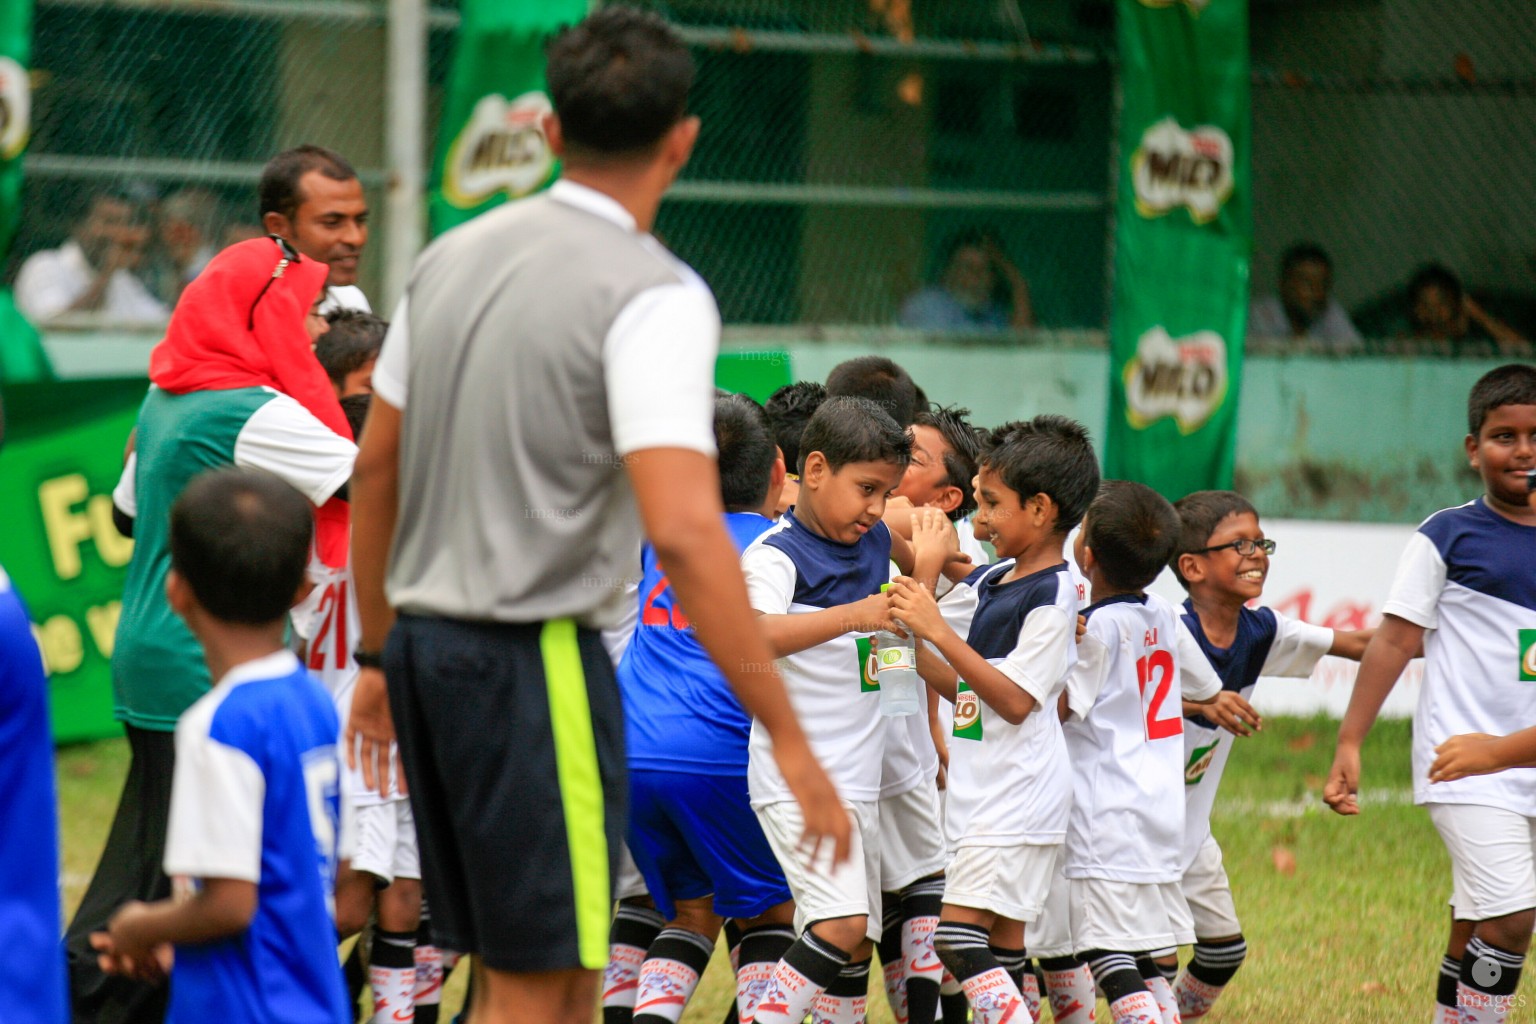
<point>1345,918</point>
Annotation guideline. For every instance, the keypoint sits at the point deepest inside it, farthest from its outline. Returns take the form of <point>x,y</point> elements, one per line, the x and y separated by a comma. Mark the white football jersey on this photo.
<point>1267,644</point>
<point>1127,746</point>
<point>1010,784</point>
<point>1468,576</point>
<point>790,570</point>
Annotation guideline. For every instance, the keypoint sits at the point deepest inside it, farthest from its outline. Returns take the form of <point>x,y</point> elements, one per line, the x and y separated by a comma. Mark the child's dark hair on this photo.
<point>789,409</point>
<point>1049,455</point>
<point>881,381</point>
<point>241,538</point>
<point>746,453</point>
<point>1132,531</point>
<point>352,339</point>
<point>355,409</point>
<point>1510,384</point>
<point>847,429</point>
<point>962,449</point>
<point>1200,512</point>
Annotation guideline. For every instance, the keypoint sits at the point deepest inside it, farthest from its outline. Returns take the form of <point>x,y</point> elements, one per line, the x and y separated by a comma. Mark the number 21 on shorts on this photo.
<point>1155,677</point>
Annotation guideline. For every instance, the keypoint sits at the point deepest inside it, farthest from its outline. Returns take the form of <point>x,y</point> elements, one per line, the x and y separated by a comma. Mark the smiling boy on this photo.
<point>1464,590</point>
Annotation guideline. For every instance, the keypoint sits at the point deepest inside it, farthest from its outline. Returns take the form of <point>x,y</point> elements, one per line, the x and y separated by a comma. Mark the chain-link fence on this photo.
<point>848,143</point>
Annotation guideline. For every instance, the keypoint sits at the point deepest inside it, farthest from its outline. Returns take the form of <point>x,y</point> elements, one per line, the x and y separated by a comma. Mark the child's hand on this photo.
<point>932,531</point>
<point>1471,753</point>
<point>1232,713</point>
<point>120,950</point>
<point>1342,791</point>
<point>872,615</point>
<point>916,608</point>
<point>1082,628</point>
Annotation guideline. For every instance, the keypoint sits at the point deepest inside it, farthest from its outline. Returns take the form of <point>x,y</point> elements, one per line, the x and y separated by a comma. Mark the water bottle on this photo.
<point>896,672</point>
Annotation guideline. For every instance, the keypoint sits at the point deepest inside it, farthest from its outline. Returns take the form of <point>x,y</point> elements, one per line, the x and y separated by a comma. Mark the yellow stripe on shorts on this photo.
<point>581,788</point>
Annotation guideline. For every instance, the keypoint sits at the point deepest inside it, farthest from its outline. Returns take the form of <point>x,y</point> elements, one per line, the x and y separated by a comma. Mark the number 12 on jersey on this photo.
<point>1155,677</point>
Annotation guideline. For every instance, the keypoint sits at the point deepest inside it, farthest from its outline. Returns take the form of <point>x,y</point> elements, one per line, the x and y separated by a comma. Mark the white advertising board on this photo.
<point>1335,575</point>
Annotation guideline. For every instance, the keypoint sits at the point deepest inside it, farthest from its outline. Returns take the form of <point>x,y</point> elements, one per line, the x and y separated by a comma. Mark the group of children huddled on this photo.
<point>1038,830</point>
<point>1041,830</point>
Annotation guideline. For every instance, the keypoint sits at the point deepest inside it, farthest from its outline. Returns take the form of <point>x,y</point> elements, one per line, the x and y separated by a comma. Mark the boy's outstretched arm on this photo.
<point>136,933</point>
<point>1352,643</point>
<point>791,634</point>
<point>1396,643</point>
<point>915,607</point>
<point>1477,753</point>
<point>678,492</point>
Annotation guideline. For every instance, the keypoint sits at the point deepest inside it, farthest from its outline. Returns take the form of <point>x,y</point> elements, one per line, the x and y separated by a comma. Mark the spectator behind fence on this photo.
<point>93,272</point>
<point>186,237</point>
<point>1305,309</point>
<point>1445,319</point>
<point>980,290</point>
<point>310,196</point>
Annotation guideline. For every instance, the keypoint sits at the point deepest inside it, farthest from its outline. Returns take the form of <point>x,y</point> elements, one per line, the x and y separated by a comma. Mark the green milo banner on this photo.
<point>1183,236</point>
<point>63,455</point>
<point>21,354</point>
<point>491,145</point>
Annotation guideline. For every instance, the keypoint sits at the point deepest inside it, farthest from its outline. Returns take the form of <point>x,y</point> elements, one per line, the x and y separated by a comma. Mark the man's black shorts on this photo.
<point>513,741</point>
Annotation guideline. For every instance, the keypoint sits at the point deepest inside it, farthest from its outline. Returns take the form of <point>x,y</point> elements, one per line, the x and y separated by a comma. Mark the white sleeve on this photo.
<point>958,608</point>
<point>770,579</point>
<point>659,360</point>
<point>391,370</point>
<point>1420,580</point>
<point>1042,655</point>
<point>1297,648</point>
<point>125,495</point>
<point>616,637</point>
<point>45,287</point>
<point>217,793</point>
<point>1085,681</point>
<point>1197,680</point>
<point>285,438</point>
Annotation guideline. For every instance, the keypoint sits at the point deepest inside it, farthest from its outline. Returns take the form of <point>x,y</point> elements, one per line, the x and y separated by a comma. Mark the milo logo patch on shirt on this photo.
<point>1528,655</point>
<point>1199,761</point>
<point>867,664</point>
<point>967,713</point>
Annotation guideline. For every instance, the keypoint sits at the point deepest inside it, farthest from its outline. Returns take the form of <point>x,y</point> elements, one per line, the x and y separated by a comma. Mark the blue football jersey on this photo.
<point>32,971</point>
<point>678,709</point>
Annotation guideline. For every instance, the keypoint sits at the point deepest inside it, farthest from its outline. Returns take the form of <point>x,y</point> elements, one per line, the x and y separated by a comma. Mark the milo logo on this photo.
<point>1199,762</point>
<point>1175,168</point>
<point>1528,655</point>
<point>501,148</point>
<point>1183,378</point>
<point>967,713</point>
<point>15,108</point>
<point>868,666</point>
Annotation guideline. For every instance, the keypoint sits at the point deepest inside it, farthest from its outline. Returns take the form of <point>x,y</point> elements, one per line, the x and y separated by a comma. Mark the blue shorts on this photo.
<point>692,835</point>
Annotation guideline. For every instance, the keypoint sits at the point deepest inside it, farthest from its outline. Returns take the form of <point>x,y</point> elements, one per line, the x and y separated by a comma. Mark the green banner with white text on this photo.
<point>63,455</point>
<point>491,144</point>
<point>1183,238</point>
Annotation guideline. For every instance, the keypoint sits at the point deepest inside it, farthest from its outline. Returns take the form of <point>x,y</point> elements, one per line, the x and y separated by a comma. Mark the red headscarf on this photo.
<point>240,324</point>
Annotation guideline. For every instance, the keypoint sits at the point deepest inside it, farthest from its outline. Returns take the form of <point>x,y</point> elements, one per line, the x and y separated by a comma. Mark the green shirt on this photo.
<point>158,669</point>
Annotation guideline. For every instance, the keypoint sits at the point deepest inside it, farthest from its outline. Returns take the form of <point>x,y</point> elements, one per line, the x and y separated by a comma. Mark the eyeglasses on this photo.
<point>1244,546</point>
<point>290,255</point>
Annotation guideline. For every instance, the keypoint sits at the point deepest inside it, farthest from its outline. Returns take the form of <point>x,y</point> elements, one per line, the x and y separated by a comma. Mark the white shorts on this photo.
<point>1208,895</point>
<point>911,837</point>
<point>1128,917</point>
<point>386,841</point>
<point>821,890</point>
<point>630,884</point>
<point>1051,934</point>
<point>1010,881</point>
<point>1493,866</point>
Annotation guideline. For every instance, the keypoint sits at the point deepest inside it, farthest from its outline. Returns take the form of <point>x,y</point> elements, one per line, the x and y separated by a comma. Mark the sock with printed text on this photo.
<point>1213,966</point>
<point>1489,977</point>
<point>893,967</point>
<point>991,993</point>
<point>1446,985</point>
<point>1159,978</point>
<point>808,969</point>
<point>1069,984</point>
<point>1126,992</point>
<point>634,928</point>
<point>392,976</point>
<point>761,950</point>
<point>846,1000</point>
<point>923,971</point>
<point>672,968</point>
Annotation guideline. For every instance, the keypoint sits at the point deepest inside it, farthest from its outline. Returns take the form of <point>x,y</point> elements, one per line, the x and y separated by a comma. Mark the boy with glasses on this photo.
<point>1222,560</point>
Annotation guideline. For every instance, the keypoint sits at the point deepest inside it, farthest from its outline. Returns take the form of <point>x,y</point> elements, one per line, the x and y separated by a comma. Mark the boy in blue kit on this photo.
<point>1010,786</point>
<point>1222,560</point>
<point>1464,590</point>
<point>254,828</point>
<point>691,828</point>
<point>814,579</point>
